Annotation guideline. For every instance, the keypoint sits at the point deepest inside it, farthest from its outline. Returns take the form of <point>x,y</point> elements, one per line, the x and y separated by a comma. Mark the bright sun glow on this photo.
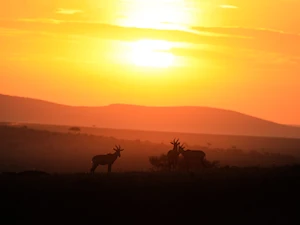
<point>154,14</point>
<point>151,53</point>
<point>158,14</point>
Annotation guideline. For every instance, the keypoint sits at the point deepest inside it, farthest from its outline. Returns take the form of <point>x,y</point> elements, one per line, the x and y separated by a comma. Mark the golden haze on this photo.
<point>225,54</point>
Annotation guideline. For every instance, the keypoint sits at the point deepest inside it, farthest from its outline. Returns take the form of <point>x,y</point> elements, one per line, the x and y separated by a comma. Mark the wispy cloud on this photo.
<point>67,11</point>
<point>228,6</point>
<point>12,32</point>
<point>41,20</point>
<point>258,45</point>
<point>109,31</point>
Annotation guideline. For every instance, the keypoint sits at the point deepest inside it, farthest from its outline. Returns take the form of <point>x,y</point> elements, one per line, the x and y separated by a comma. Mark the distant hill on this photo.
<point>189,119</point>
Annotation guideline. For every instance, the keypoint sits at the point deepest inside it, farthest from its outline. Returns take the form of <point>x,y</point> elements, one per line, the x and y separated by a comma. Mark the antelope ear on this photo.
<point>114,149</point>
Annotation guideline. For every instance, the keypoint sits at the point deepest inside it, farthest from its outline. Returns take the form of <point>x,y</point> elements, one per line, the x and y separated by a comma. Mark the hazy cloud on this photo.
<point>41,20</point>
<point>234,37</point>
<point>68,11</point>
<point>232,43</point>
<point>228,6</point>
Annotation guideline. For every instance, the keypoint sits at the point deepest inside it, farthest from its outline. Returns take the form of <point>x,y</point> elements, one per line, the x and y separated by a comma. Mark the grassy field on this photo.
<point>23,148</point>
<point>274,144</point>
<point>214,196</point>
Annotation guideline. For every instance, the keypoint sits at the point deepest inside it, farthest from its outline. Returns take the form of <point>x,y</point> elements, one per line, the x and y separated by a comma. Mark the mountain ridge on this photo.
<point>189,119</point>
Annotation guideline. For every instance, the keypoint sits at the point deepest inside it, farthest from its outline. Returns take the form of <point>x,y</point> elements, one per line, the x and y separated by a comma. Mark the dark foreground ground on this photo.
<point>216,196</point>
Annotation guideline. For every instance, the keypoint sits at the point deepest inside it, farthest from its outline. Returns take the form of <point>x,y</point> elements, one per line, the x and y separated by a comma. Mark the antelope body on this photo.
<point>107,159</point>
<point>192,157</point>
<point>173,155</point>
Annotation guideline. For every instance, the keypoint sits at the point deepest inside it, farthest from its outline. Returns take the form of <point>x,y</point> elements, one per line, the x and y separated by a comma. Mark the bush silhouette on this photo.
<point>75,129</point>
<point>159,163</point>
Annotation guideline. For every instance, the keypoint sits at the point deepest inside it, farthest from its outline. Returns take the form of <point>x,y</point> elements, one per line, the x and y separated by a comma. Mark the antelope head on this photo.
<point>118,149</point>
<point>181,148</point>
<point>175,143</point>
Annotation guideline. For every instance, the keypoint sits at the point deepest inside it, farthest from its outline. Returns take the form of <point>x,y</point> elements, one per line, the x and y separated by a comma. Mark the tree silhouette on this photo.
<point>75,130</point>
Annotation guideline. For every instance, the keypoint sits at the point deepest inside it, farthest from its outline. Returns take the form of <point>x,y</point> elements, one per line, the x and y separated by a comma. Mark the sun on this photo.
<point>156,14</point>
<point>151,53</point>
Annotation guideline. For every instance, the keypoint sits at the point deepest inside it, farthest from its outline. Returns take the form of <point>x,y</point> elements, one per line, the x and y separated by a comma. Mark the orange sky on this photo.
<point>234,54</point>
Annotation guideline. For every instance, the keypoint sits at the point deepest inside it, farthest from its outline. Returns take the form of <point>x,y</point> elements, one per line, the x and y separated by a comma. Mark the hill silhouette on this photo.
<point>189,119</point>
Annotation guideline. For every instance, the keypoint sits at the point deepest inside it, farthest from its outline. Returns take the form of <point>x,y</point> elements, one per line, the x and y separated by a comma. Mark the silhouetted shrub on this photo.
<point>212,164</point>
<point>159,163</point>
<point>75,129</point>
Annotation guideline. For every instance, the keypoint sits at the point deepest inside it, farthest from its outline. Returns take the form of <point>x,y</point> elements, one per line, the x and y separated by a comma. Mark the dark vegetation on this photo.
<point>45,180</point>
<point>75,130</point>
<point>217,196</point>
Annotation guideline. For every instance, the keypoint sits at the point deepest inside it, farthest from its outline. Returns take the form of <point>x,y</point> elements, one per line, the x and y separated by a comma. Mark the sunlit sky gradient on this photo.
<point>235,54</point>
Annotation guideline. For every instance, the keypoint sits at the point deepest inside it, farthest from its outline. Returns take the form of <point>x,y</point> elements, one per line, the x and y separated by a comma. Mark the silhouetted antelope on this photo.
<point>192,157</point>
<point>107,159</point>
<point>173,154</point>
